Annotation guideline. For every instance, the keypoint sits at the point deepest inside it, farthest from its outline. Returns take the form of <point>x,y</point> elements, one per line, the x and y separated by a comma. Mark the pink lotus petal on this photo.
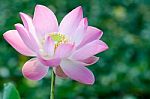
<point>52,62</point>
<point>49,46</point>
<point>64,50</point>
<point>90,61</point>
<point>14,39</point>
<point>71,21</point>
<point>28,40</point>
<point>27,21</point>
<point>89,50</point>
<point>91,34</point>
<point>28,24</point>
<point>34,70</point>
<point>80,31</point>
<point>77,71</point>
<point>58,71</point>
<point>44,20</point>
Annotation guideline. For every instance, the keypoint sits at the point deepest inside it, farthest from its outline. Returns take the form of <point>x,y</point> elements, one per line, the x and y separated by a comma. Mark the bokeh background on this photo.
<point>123,71</point>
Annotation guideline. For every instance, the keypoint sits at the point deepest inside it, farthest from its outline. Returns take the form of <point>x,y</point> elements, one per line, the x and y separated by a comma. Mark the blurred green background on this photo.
<point>123,71</point>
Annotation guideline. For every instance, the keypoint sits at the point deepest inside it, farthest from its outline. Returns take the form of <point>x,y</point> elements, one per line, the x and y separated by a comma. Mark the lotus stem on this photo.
<point>52,91</point>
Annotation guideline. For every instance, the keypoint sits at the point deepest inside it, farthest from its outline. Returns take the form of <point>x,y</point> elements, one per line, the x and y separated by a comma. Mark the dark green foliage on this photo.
<point>10,92</point>
<point>123,71</point>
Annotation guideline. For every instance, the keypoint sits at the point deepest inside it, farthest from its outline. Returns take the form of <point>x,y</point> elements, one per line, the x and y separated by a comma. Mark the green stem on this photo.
<point>52,85</point>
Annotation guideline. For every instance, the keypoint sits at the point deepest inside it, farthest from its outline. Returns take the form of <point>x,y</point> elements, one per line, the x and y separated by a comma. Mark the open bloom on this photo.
<point>67,48</point>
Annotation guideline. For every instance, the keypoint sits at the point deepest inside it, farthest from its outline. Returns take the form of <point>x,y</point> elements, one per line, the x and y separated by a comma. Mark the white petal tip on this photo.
<point>79,7</point>
<point>40,6</point>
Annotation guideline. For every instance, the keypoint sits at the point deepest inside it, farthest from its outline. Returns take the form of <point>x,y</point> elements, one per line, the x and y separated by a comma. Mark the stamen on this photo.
<point>59,39</point>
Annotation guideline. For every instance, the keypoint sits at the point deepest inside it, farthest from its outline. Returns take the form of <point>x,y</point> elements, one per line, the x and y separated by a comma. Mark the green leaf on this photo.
<point>10,92</point>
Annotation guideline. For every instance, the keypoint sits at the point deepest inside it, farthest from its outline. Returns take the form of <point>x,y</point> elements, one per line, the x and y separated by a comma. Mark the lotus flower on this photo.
<point>67,48</point>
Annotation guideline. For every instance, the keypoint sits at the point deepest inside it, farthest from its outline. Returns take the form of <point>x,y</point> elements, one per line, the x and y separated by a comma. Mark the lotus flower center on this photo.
<point>58,38</point>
